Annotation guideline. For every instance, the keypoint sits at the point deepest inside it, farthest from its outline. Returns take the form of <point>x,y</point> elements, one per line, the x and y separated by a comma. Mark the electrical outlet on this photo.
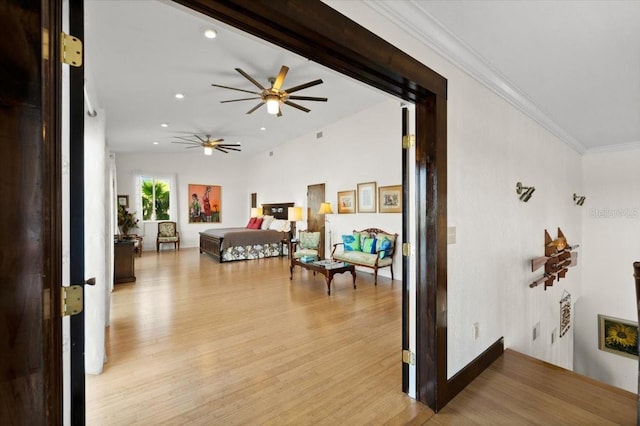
<point>536,331</point>
<point>476,330</point>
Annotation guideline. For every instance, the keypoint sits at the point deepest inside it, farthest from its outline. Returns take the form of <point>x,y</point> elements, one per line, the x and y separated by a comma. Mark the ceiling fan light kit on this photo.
<point>274,97</point>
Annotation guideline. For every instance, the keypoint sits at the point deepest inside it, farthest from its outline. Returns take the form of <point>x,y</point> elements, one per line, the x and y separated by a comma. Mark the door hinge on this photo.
<point>408,141</point>
<point>72,300</point>
<point>408,357</point>
<point>70,50</point>
<point>407,249</point>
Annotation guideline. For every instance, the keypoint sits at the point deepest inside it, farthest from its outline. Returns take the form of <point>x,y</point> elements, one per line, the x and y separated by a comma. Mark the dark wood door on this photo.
<point>315,221</point>
<point>30,236</point>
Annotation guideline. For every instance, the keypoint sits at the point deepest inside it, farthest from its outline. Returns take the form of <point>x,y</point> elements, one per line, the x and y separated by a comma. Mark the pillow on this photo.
<point>276,225</point>
<point>266,221</point>
<point>384,247</point>
<point>351,242</point>
<point>369,245</point>
<point>257,224</point>
<point>251,222</point>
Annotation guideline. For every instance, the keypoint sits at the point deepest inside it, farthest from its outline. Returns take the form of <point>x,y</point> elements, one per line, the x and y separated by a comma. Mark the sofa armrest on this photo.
<point>335,246</point>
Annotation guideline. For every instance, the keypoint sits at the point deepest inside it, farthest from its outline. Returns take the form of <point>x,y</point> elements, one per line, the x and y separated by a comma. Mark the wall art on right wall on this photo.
<point>618,336</point>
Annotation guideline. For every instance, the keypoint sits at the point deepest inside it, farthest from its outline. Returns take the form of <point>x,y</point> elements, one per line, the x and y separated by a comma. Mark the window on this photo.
<point>155,197</point>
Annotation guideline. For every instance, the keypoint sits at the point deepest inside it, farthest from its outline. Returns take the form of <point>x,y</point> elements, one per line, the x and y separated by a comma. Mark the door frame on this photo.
<point>319,33</point>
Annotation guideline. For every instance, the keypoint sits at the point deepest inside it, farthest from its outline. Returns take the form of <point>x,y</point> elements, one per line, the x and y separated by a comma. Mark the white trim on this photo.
<point>409,16</point>
<point>629,146</point>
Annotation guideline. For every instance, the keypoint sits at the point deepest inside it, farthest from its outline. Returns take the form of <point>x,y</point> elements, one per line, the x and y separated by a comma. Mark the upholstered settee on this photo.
<point>371,248</point>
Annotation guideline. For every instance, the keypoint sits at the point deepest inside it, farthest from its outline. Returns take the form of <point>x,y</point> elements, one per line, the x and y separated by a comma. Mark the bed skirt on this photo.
<point>212,245</point>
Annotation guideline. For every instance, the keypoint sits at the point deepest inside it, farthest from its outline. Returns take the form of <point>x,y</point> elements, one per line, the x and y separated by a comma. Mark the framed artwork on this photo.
<point>618,336</point>
<point>123,200</point>
<point>390,199</point>
<point>205,203</point>
<point>367,197</point>
<point>347,201</point>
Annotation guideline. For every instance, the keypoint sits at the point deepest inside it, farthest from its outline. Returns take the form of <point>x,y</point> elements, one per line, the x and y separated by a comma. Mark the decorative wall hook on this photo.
<point>558,257</point>
<point>578,199</point>
<point>525,192</point>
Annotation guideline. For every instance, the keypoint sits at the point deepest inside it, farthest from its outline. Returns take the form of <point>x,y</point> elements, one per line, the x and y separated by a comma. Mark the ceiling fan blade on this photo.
<point>280,78</point>
<point>232,149</point>
<point>186,143</point>
<point>308,98</point>
<point>255,107</point>
<point>300,107</point>
<point>304,86</point>
<point>279,114</point>
<point>195,146</point>
<point>236,100</point>
<point>233,88</point>
<point>220,149</point>
<point>200,139</point>
<point>229,145</point>
<point>251,79</point>
<point>216,141</point>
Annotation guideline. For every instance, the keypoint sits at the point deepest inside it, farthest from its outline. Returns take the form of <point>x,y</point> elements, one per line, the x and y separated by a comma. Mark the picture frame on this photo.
<point>390,199</point>
<point>347,201</point>
<point>367,193</point>
<point>205,203</point>
<point>123,200</point>
<point>618,336</point>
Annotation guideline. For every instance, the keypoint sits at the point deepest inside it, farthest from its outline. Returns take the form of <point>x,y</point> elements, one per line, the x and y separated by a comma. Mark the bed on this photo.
<point>230,244</point>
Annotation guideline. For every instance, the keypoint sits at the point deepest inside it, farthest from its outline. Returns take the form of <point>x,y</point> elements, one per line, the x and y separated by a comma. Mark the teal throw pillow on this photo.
<point>369,245</point>
<point>351,243</point>
<point>384,247</point>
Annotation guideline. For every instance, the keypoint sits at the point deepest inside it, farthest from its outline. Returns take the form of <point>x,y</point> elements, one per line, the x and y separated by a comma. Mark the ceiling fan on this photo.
<point>208,144</point>
<point>274,96</point>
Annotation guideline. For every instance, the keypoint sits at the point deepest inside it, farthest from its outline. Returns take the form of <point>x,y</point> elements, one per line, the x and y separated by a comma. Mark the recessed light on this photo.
<point>263,128</point>
<point>210,33</point>
<point>179,96</point>
<point>164,125</point>
<point>155,142</point>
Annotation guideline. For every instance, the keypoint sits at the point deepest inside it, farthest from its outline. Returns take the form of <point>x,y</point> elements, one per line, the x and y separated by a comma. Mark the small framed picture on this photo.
<point>367,197</point>
<point>390,199</point>
<point>123,200</point>
<point>347,201</point>
<point>618,336</point>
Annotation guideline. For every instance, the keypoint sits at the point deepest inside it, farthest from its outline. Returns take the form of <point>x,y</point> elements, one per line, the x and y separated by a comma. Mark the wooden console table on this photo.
<point>123,262</point>
<point>327,272</point>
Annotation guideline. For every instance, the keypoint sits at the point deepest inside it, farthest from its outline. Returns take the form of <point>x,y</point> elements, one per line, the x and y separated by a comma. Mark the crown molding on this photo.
<point>629,146</point>
<point>409,16</point>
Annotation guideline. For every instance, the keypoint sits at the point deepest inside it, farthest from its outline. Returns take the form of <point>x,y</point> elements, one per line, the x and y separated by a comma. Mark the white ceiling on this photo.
<point>574,66</point>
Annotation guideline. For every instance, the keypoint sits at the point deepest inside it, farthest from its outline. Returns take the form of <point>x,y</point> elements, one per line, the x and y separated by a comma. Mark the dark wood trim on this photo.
<point>406,260</point>
<point>472,370</point>
<point>52,204</point>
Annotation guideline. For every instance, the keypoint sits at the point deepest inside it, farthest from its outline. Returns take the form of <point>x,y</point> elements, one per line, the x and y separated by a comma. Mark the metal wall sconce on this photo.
<point>524,192</point>
<point>578,199</point>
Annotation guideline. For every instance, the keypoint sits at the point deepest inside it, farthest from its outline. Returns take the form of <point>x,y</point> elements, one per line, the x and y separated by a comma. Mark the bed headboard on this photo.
<point>277,210</point>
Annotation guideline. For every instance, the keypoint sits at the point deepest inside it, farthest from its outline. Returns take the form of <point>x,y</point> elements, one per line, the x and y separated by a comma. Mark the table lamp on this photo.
<point>294,215</point>
<point>256,211</point>
<point>325,208</point>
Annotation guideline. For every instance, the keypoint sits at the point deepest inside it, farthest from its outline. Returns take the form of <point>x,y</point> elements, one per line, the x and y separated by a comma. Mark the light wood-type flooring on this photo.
<point>193,341</point>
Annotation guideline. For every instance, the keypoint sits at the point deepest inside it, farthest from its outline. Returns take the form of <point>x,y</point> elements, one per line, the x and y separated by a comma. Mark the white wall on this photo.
<point>611,222</point>
<point>491,146</point>
<point>96,218</point>
<point>362,148</point>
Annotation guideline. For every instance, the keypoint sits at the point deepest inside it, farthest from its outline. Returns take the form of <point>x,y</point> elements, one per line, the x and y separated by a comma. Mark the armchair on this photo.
<point>306,246</point>
<point>167,233</point>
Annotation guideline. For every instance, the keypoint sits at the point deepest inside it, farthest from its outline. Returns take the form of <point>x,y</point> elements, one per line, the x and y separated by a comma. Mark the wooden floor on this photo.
<point>198,342</point>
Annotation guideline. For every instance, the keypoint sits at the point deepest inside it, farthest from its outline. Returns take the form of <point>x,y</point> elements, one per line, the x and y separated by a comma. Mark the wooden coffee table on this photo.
<point>328,272</point>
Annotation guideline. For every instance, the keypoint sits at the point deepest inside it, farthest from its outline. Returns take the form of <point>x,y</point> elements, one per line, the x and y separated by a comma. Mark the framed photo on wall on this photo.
<point>367,197</point>
<point>390,199</point>
<point>123,200</point>
<point>205,203</point>
<point>618,336</point>
<point>347,201</point>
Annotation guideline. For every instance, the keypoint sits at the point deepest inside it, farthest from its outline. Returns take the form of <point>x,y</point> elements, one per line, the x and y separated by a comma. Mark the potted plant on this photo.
<point>126,221</point>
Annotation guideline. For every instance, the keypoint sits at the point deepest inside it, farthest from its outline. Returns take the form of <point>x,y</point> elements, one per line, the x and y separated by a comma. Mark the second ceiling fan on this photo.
<point>275,96</point>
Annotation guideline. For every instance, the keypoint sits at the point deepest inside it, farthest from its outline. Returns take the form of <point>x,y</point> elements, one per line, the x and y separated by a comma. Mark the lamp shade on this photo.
<point>256,211</point>
<point>294,214</point>
<point>208,150</point>
<point>325,208</point>
<point>273,105</point>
